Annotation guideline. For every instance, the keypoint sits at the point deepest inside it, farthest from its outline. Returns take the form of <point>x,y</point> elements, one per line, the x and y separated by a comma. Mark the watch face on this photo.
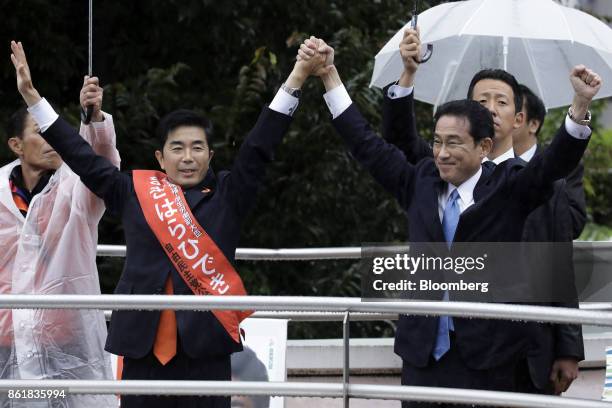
<point>295,92</point>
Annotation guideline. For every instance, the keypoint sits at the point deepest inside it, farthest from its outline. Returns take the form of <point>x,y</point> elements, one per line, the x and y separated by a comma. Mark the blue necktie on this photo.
<point>450,219</point>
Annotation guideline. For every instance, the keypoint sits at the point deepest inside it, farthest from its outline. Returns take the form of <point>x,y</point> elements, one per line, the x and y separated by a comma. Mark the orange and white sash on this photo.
<point>194,254</point>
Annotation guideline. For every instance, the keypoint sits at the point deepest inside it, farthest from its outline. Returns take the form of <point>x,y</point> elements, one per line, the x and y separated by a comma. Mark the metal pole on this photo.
<point>90,49</point>
<point>308,304</point>
<point>345,366</point>
<point>284,389</point>
<point>505,45</point>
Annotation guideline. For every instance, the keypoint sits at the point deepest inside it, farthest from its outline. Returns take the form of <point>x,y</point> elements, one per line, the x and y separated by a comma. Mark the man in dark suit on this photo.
<point>454,197</point>
<point>552,364</point>
<point>185,345</point>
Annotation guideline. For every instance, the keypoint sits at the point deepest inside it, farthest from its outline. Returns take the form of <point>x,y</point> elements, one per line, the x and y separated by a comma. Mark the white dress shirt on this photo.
<point>466,194</point>
<point>508,154</point>
<point>528,155</point>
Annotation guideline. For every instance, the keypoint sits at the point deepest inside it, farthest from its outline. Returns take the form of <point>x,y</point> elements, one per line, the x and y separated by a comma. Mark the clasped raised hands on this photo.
<point>317,54</point>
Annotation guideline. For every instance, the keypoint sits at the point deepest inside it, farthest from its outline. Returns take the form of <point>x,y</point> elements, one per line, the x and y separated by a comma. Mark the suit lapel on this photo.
<point>481,189</point>
<point>430,189</point>
<point>195,195</point>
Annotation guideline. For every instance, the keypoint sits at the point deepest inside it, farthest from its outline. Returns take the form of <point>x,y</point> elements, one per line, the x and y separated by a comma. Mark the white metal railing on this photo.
<point>301,389</point>
<point>266,254</point>
<point>308,304</point>
<point>346,306</point>
<point>323,253</point>
<point>310,309</point>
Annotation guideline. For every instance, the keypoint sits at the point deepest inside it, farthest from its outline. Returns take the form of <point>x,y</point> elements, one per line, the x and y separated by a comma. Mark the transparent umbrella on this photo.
<point>538,41</point>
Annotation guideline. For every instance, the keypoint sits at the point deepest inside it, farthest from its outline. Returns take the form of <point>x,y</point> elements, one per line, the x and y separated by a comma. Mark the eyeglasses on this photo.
<point>451,145</point>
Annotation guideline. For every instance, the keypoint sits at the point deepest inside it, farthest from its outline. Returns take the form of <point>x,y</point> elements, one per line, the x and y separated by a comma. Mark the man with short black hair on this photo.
<point>455,197</point>
<point>182,228</point>
<point>557,348</point>
<point>525,138</point>
<point>499,92</point>
<point>552,363</point>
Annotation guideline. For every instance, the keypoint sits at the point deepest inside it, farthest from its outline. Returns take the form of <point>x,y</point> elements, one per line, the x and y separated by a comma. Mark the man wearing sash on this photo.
<point>181,231</point>
<point>48,235</point>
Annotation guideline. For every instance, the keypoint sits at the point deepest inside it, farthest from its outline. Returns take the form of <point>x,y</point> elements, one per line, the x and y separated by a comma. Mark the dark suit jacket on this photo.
<point>220,212</point>
<point>561,219</point>
<point>504,196</point>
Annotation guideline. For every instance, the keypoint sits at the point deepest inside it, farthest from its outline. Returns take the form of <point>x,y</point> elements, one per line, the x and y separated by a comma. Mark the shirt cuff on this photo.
<point>105,130</point>
<point>575,130</point>
<point>284,103</point>
<point>396,91</point>
<point>337,100</point>
<point>101,125</point>
<point>43,114</point>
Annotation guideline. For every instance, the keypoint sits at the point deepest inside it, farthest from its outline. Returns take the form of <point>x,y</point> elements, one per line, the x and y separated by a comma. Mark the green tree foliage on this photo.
<point>597,171</point>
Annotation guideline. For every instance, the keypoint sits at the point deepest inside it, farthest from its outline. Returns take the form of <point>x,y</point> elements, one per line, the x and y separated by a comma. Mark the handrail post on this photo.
<point>345,365</point>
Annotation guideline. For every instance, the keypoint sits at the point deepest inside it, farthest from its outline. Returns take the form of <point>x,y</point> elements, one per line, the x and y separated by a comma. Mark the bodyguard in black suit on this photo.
<point>552,363</point>
<point>494,203</point>
<point>553,358</point>
<point>219,202</point>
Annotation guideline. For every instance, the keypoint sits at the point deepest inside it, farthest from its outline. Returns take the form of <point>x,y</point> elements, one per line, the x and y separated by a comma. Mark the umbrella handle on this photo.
<point>86,115</point>
<point>428,54</point>
<point>413,24</point>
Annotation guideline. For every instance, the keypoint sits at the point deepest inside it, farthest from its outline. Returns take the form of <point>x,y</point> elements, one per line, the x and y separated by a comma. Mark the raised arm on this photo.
<point>100,133</point>
<point>574,191</point>
<point>568,146</point>
<point>258,148</point>
<point>98,173</point>
<point>385,162</point>
<point>399,122</point>
<point>399,127</point>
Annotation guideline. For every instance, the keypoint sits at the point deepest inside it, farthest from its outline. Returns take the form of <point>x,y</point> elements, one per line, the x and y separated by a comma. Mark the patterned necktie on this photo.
<point>450,219</point>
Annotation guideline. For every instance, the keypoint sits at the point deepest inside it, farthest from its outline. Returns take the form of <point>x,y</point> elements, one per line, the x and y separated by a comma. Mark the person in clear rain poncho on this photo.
<point>48,235</point>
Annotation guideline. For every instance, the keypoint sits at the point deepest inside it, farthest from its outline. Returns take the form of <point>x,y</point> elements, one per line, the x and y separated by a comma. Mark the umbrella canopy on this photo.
<point>538,41</point>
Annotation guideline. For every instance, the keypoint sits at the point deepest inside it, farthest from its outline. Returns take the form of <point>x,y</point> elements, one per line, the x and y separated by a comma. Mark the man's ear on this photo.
<point>16,145</point>
<point>160,159</point>
<point>486,145</point>
<point>519,119</point>
<point>210,156</point>
<point>533,126</point>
